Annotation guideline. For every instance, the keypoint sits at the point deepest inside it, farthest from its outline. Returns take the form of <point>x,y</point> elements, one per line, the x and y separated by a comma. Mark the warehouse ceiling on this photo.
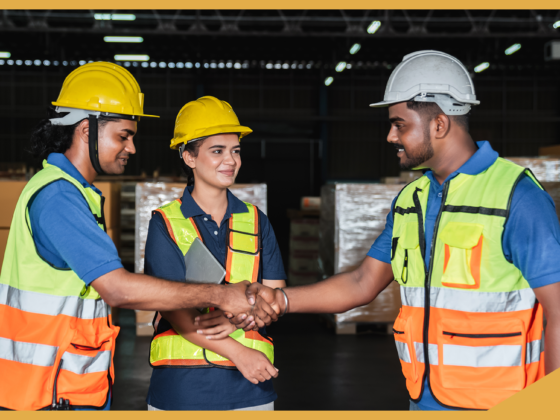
<point>306,40</point>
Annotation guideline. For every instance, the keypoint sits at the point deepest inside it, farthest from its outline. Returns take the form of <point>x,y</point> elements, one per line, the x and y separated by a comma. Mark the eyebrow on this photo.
<point>130,132</point>
<point>395,119</point>
<point>219,146</point>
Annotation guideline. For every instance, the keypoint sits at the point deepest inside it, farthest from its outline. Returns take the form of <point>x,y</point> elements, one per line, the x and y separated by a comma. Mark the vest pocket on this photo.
<point>462,255</point>
<point>406,256</point>
<point>482,355</point>
<point>403,341</point>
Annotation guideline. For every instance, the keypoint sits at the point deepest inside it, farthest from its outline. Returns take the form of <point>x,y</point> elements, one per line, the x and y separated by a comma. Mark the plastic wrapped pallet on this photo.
<point>352,217</point>
<point>546,169</point>
<point>150,196</point>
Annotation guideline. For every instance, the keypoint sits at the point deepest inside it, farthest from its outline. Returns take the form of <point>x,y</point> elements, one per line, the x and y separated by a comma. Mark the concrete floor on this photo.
<point>318,369</point>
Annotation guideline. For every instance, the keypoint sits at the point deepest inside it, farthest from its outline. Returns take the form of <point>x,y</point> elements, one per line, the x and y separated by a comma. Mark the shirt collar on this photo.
<point>483,158</point>
<point>190,208</point>
<point>62,162</point>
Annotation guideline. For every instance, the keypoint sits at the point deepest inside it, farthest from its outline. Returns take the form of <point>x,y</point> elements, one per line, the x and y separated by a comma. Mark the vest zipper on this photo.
<point>452,334</point>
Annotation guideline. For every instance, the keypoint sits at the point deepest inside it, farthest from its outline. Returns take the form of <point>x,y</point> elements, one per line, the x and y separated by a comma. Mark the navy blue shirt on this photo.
<point>64,228</point>
<point>531,243</point>
<point>206,388</point>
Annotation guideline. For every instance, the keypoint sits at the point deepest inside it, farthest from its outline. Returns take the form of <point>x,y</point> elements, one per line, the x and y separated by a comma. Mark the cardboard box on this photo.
<point>143,330</point>
<point>143,317</point>
<point>550,150</point>
<point>304,227</point>
<point>112,209</point>
<point>310,203</point>
<point>9,196</point>
<point>115,235</point>
<point>3,241</point>
<point>546,169</point>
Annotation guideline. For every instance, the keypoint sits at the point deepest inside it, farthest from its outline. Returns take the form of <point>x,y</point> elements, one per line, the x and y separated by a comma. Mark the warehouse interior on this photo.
<point>302,80</point>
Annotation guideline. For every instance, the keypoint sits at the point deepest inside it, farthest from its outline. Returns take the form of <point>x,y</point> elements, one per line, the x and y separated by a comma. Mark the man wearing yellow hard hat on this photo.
<point>61,270</point>
<point>238,364</point>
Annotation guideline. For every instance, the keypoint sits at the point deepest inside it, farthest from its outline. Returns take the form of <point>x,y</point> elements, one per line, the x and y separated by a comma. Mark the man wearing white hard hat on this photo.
<point>473,244</point>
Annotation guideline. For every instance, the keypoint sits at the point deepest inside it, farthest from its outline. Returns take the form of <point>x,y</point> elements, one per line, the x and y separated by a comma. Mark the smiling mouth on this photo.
<point>399,148</point>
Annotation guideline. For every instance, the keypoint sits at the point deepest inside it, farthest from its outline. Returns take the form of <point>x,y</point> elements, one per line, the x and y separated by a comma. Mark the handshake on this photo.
<point>251,306</point>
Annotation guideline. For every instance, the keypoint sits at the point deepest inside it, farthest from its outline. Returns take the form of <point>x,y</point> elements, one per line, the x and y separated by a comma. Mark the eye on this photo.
<point>217,151</point>
<point>237,151</point>
<point>124,138</point>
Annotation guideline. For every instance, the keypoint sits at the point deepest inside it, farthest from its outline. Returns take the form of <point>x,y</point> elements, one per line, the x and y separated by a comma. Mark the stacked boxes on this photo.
<point>150,196</point>
<point>352,217</point>
<point>9,195</point>
<point>304,251</point>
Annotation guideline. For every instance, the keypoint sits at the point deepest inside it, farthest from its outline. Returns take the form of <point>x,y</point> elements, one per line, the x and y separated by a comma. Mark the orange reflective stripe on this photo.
<point>167,333</point>
<point>168,224</point>
<point>180,362</point>
<point>255,335</point>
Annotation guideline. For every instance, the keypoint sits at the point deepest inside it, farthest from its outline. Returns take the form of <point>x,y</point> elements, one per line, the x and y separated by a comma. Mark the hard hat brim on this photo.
<point>98,110</point>
<point>212,131</point>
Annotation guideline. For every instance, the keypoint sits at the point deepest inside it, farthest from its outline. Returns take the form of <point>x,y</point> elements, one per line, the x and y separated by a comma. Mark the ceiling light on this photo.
<point>102,16</point>
<point>5,54</point>
<point>328,81</point>
<point>114,16</point>
<point>129,39</point>
<point>340,66</point>
<point>145,64</point>
<point>373,27</point>
<point>481,67</point>
<point>355,48</point>
<point>512,49</point>
<point>82,62</point>
<point>132,57</point>
<point>556,24</point>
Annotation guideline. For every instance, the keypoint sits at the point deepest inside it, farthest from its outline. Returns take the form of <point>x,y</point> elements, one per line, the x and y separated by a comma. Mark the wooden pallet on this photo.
<point>353,328</point>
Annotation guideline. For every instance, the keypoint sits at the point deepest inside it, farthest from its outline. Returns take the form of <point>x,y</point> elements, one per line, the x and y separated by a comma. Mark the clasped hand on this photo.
<point>247,306</point>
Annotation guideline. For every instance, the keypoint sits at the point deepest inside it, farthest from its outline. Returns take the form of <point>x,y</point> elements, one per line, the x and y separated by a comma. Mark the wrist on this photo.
<point>283,301</point>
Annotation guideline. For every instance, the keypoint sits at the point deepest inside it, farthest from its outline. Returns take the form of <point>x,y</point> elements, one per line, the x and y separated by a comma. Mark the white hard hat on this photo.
<point>431,76</point>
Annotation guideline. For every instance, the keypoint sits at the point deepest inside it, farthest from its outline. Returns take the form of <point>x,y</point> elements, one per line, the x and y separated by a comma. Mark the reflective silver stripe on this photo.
<point>45,304</point>
<point>402,349</point>
<point>30,353</point>
<point>432,349</point>
<point>487,356</point>
<point>80,364</point>
<point>534,350</point>
<point>470,301</point>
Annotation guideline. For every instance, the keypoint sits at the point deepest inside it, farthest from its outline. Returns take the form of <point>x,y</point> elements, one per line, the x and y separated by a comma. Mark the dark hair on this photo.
<point>430,110</point>
<point>192,147</point>
<point>47,138</point>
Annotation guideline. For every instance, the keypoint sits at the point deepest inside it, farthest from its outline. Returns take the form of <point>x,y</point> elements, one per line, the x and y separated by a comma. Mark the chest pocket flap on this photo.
<point>461,235</point>
<point>409,236</point>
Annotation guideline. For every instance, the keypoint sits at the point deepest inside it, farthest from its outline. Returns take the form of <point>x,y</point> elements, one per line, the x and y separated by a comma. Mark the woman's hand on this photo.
<point>214,325</point>
<point>254,365</point>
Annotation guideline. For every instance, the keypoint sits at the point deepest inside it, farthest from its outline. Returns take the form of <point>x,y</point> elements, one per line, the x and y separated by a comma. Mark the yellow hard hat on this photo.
<point>207,116</point>
<point>102,87</point>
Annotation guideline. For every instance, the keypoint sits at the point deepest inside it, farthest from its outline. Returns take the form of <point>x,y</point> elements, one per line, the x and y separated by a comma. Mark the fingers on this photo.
<point>272,371</point>
<point>242,321</point>
<point>210,331</point>
<point>208,320</point>
<point>252,291</point>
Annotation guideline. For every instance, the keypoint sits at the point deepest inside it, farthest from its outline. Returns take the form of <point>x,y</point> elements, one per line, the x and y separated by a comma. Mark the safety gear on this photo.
<point>243,247</point>
<point>99,89</point>
<point>56,338</point>
<point>469,323</point>
<point>431,76</point>
<point>205,117</point>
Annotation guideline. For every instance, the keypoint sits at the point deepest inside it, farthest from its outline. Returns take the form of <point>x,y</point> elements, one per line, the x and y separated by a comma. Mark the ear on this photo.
<point>442,125</point>
<point>189,160</point>
<point>82,131</point>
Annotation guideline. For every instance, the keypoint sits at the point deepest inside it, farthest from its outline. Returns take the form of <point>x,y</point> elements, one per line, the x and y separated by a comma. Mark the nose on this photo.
<point>130,148</point>
<point>392,135</point>
<point>229,159</point>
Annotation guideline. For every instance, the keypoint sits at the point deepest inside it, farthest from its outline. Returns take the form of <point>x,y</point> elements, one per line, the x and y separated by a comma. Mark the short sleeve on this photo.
<point>381,248</point>
<point>66,233</point>
<point>273,267</point>
<point>162,257</point>
<point>531,238</point>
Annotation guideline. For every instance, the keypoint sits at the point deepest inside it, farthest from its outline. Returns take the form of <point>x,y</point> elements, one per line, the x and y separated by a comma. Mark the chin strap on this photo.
<point>93,144</point>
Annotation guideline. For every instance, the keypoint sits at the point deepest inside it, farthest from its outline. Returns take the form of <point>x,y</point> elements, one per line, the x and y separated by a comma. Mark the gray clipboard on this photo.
<point>202,266</point>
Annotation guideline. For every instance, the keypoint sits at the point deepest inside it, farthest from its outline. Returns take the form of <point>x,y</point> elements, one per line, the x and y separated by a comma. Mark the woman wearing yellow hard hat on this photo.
<point>232,370</point>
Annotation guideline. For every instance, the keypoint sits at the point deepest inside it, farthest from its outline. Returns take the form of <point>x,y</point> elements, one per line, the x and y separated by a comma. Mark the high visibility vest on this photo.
<point>243,251</point>
<point>56,337</point>
<point>469,323</point>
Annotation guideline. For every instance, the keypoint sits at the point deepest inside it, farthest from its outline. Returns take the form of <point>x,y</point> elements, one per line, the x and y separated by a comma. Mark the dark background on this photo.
<point>305,133</point>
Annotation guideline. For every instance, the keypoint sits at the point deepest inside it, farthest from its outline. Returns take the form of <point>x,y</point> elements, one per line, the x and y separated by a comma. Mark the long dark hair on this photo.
<point>192,147</point>
<point>47,138</point>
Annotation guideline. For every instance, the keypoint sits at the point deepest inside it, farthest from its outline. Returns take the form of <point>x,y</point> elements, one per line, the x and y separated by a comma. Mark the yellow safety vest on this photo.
<point>470,323</point>
<point>243,242</point>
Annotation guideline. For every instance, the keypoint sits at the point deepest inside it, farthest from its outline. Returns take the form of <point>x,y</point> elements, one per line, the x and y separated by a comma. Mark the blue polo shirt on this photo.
<point>531,243</point>
<point>206,388</point>
<point>65,231</point>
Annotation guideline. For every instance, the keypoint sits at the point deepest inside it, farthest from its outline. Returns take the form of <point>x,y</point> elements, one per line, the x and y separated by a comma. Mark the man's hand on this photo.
<point>214,326</point>
<point>263,295</point>
<point>252,307</point>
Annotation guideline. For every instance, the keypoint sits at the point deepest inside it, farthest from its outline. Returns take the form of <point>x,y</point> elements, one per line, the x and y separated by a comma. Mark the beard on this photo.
<point>424,153</point>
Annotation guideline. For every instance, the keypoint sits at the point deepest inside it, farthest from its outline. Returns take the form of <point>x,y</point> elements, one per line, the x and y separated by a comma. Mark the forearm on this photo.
<point>122,289</point>
<point>552,346</point>
<point>342,292</point>
<point>183,322</point>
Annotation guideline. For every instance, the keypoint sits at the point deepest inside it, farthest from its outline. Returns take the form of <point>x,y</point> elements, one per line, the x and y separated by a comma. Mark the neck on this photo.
<point>211,200</point>
<point>452,156</point>
<point>82,163</point>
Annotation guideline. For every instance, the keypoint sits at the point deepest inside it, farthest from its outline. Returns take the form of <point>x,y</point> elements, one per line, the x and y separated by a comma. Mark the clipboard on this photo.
<point>201,266</point>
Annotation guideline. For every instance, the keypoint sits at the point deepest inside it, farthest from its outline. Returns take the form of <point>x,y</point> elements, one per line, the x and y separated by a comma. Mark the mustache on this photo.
<point>398,146</point>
